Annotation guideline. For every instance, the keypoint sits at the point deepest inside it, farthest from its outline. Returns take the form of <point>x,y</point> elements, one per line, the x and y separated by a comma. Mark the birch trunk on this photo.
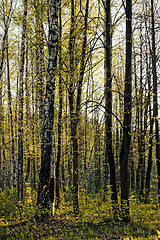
<point>46,192</point>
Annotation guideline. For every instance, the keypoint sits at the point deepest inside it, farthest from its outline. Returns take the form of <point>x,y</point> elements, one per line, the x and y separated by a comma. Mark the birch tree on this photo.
<point>46,191</point>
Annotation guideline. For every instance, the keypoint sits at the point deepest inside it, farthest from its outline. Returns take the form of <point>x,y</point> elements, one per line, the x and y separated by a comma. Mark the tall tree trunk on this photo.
<point>74,111</point>
<point>132,169</point>
<point>141,126</point>
<point>20,110</point>
<point>149,166</point>
<point>117,146</point>
<point>68,149</point>
<point>137,123</point>
<point>39,100</point>
<point>1,108</point>
<point>6,23</point>
<point>13,163</point>
<point>124,155</point>
<point>97,142</point>
<point>33,163</point>
<point>144,146</point>
<point>155,99</point>
<point>85,141</point>
<point>5,172</point>
<point>60,111</point>
<point>46,191</point>
<point>28,115</point>
<point>109,157</point>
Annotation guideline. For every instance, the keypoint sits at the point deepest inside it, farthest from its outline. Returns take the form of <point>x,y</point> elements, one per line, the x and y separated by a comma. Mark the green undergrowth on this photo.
<point>95,220</point>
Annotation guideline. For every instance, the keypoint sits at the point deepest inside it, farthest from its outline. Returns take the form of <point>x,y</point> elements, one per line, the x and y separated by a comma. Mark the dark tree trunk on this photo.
<point>144,148</point>
<point>117,146</point>
<point>155,99</point>
<point>3,47</point>
<point>74,111</point>
<point>137,124</point>
<point>132,172</point>
<point>149,166</point>
<point>72,114</point>
<point>20,110</point>
<point>85,141</point>
<point>124,155</point>
<point>46,191</point>
<point>28,115</point>
<point>141,163</point>
<point>39,69</point>
<point>97,156</point>
<point>5,172</point>
<point>33,162</point>
<point>68,151</point>
<point>13,163</point>
<point>60,111</point>
<point>109,157</point>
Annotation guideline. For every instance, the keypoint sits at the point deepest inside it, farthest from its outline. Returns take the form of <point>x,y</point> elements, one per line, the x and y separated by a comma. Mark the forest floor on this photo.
<point>95,220</point>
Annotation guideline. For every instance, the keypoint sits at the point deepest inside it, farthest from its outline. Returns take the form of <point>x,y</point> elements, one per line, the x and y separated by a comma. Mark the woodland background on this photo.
<point>79,122</point>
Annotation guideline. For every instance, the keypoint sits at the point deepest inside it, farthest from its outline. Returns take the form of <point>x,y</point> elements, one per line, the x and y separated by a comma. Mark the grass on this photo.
<point>95,220</point>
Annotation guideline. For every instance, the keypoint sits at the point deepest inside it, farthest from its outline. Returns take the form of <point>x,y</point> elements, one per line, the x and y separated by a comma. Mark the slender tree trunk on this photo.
<point>1,125</point>
<point>46,191</point>
<point>63,175</point>
<point>74,111</point>
<point>1,84</point>
<point>109,157</point>
<point>39,100</point>
<point>28,115</point>
<point>33,163</point>
<point>132,169</point>
<point>117,146</point>
<point>124,155</point>
<point>144,149</point>
<point>5,172</point>
<point>97,156</point>
<point>20,110</point>
<point>16,125</point>
<point>68,149</point>
<point>1,175</point>
<point>13,163</point>
<point>85,141</point>
<point>149,166</point>
<point>155,98</point>
<point>137,124</point>
<point>60,112</point>
<point>141,132</point>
